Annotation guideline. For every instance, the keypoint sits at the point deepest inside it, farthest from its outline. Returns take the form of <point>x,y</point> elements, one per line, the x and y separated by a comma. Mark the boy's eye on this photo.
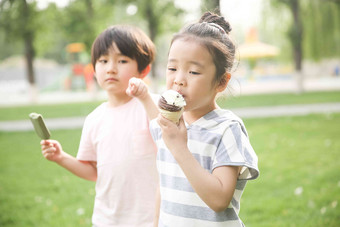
<point>123,61</point>
<point>102,60</point>
<point>171,69</point>
<point>194,73</point>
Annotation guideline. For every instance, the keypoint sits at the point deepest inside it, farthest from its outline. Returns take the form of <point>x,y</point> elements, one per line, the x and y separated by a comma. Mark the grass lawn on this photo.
<point>299,183</point>
<point>82,109</point>
<point>36,192</point>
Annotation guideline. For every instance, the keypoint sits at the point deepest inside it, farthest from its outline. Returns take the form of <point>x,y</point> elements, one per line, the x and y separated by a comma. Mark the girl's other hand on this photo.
<point>174,135</point>
<point>137,88</point>
<point>51,150</point>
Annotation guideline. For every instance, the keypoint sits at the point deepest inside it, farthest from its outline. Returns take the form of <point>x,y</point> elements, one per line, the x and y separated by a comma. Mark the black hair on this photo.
<point>212,31</point>
<point>131,41</point>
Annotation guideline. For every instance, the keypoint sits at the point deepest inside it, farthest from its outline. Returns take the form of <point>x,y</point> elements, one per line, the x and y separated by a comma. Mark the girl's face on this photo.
<point>114,70</point>
<point>191,72</point>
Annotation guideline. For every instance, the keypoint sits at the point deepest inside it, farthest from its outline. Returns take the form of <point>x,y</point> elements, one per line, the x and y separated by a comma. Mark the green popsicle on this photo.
<point>39,126</point>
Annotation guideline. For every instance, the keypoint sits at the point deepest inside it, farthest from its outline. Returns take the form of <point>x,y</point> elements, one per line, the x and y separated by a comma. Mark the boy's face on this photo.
<point>114,70</point>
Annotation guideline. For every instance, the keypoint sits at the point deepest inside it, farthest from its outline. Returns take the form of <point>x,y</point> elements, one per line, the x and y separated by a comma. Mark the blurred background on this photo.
<point>45,45</point>
<point>285,85</point>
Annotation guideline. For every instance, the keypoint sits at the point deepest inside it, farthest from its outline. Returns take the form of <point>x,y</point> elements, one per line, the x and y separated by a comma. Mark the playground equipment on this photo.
<point>81,74</point>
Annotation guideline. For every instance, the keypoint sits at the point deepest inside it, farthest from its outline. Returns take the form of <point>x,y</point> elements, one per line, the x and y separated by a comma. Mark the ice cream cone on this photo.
<point>172,116</point>
<point>171,105</point>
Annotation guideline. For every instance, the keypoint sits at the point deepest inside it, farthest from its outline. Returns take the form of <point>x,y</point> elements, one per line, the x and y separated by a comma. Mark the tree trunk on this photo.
<point>297,36</point>
<point>153,29</point>
<point>29,53</point>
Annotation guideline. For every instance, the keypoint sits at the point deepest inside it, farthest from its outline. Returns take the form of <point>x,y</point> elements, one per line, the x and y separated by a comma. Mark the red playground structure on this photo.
<point>81,72</point>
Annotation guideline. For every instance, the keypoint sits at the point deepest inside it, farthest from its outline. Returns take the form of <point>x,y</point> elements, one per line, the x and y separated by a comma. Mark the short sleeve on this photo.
<point>235,149</point>
<point>86,151</point>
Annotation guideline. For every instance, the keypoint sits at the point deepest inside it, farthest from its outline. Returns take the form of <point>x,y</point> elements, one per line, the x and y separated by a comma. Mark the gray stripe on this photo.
<point>165,155</point>
<point>222,155</point>
<point>211,115</point>
<point>237,136</point>
<point>156,133</point>
<point>248,156</point>
<point>177,183</point>
<point>198,213</point>
<point>235,203</point>
<point>204,135</point>
<point>241,184</point>
<point>215,117</point>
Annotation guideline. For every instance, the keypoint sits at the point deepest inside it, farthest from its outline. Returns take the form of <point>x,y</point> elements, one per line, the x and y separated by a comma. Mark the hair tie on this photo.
<point>218,27</point>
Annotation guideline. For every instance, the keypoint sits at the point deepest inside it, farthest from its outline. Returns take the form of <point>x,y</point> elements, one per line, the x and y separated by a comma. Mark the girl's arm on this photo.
<point>137,88</point>
<point>52,151</point>
<point>216,189</point>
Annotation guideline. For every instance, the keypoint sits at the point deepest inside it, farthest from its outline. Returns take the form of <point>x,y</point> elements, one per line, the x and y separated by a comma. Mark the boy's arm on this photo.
<point>137,88</point>
<point>52,151</point>
<point>157,207</point>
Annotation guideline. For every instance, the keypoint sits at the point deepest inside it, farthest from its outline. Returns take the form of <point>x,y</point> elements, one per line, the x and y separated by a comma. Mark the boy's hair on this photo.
<point>131,41</point>
<point>212,31</point>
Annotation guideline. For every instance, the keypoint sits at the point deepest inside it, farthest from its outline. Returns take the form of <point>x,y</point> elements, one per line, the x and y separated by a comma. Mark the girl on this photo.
<point>116,149</point>
<point>205,161</point>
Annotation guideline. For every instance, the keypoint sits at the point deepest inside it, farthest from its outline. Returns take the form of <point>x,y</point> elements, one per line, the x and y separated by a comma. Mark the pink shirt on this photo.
<point>119,140</point>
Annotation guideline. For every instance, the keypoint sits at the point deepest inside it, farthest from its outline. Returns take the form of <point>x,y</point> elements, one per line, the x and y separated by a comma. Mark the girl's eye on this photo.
<point>194,73</point>
<point>123,61</point>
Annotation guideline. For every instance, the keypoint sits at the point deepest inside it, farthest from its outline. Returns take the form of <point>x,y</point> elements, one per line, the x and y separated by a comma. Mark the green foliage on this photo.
<point>320,22</point>
<point>16,22</point>
<point>80,21</point>
<point>50,38</point>
<point>322,29</point>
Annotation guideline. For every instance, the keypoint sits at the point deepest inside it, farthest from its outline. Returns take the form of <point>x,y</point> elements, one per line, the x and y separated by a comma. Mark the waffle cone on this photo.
<point>172,116</point>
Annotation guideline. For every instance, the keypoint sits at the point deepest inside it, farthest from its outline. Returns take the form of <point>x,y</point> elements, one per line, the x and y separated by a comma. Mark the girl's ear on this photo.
<point>145,71</point>
<point>222,85</point>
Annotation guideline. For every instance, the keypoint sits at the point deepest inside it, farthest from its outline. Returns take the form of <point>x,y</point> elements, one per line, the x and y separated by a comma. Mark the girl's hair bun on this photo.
<point>216,19</point>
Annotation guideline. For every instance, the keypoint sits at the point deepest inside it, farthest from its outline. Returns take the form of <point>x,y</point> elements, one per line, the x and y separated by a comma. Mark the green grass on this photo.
<point>48,111</point>
<point>293,152</point>
<point>279,99</point>
<point>82,109</point>
<point>36,192</point>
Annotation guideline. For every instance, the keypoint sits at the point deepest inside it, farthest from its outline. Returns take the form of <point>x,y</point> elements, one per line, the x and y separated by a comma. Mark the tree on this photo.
<point>321,28</point>
<point>18,19</point>
<point>161,17</point>
<point>314,31</point>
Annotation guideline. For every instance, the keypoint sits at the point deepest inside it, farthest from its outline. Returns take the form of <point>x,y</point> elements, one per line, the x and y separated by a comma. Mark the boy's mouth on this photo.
<point>111,79</point>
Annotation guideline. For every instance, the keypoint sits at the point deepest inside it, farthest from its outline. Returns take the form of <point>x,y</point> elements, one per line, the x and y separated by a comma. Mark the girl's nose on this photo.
<point>180,80</point>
